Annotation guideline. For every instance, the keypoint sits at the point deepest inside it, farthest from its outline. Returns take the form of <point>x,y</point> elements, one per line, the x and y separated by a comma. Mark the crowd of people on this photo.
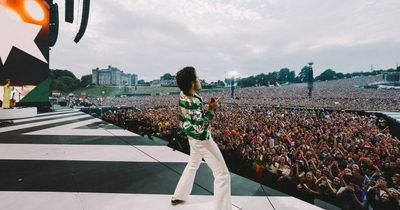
<point>338,156</point>
<point>319,153</point>
<point>348,94</point>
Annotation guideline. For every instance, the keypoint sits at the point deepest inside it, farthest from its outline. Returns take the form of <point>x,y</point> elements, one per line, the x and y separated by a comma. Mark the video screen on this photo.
<point>24,51</point>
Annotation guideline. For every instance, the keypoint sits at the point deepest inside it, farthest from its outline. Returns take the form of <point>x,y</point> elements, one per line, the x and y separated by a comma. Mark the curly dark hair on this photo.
<point>185,77</point>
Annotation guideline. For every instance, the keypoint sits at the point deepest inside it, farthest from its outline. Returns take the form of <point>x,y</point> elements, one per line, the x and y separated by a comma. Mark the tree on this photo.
<point>328,74</point>
<point>272,78</point>
<point>247,82</point>
<point>220,83</point>
<point>56,85</point>
<point>303,75</point>
<point>292,77</point>
<point>141,82</point>
<point>59,73</point>
<point>283,75</point>
<point>69,83</point>
<point>167,76</point>
<point>63,81</point>
<point>348,75</point>
<point>259,79</point>
<point>86,80</point>
<point>340,75</point>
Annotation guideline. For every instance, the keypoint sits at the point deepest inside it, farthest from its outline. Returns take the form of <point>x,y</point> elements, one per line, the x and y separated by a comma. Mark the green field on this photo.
<point>114,91</point>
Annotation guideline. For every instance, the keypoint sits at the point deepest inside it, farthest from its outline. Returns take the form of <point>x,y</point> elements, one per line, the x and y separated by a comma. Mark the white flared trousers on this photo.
<point>208,150</point>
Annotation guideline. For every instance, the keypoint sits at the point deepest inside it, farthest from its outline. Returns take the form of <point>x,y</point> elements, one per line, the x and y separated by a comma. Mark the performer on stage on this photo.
<point>6,95</point>
<point>195,123</point>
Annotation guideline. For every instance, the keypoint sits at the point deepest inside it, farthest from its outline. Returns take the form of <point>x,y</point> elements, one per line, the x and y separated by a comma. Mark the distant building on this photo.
<point>169,83</point>
<point>155,82</point>
<point>134,79</point>
<point>112,76</point>
<point>392,76</point>
<point>168,80</point>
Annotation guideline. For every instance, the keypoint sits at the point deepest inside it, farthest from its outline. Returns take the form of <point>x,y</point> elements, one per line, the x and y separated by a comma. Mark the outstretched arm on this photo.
<point>212,105</point>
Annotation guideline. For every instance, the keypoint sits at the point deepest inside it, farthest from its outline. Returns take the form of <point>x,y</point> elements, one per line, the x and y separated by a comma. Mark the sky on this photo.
<point>153,37</point>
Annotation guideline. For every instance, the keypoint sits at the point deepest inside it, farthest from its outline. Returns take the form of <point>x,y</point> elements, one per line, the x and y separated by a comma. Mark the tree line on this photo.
<point>285,75</point>
<point>65,81</point>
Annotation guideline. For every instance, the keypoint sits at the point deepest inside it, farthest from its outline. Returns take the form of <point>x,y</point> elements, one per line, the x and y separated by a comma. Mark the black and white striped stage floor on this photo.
<point>69,160</point>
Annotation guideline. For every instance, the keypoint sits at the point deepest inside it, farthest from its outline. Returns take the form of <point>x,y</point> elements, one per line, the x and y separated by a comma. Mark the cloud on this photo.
<point>151,37</point>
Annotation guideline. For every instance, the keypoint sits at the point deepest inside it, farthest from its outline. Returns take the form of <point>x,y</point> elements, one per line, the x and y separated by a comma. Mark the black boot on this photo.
<point>176,202</point>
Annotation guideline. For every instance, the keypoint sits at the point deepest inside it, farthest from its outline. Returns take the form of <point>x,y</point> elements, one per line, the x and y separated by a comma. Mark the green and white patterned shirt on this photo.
<point>193,120</point>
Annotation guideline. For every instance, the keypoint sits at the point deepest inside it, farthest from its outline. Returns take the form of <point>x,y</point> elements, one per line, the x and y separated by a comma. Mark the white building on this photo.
<point>169,83</point>
<point>155,82</point>
<point>112,76</point>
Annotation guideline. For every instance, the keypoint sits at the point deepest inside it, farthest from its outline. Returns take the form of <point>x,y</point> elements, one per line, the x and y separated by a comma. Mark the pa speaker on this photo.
<point>84,22</point>
<point>69,11</point>
<point>53,24</point>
